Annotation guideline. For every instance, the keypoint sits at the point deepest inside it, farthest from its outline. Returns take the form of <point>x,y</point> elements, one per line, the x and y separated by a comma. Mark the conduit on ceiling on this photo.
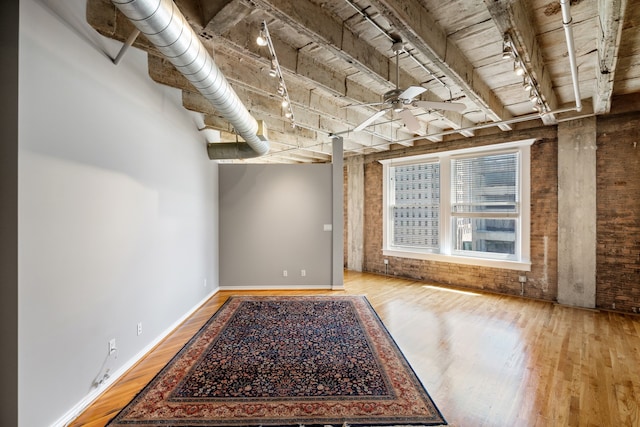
<point>168,30</point>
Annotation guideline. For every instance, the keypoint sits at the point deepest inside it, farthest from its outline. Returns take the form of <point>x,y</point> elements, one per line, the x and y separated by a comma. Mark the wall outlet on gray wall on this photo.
<point>112,346</point>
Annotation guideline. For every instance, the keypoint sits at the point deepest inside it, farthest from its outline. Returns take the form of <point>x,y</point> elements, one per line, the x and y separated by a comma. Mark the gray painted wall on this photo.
<point>272,219</point>
<point>117,209</point>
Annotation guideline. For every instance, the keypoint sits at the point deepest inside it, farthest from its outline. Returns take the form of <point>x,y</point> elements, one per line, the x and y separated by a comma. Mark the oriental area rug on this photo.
<point>286,361</point>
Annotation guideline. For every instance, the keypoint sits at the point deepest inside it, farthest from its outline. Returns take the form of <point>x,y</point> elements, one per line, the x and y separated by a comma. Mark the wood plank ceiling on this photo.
<point>337,54</point>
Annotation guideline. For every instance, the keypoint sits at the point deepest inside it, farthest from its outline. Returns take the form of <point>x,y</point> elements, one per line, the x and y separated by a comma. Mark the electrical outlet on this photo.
<point>112,346</point>
<point>386,261</point>
<point>522,279</point>
<point>140,328</point>
<point>205,283</point>
<point>303,273</point>
<point>285,273</point>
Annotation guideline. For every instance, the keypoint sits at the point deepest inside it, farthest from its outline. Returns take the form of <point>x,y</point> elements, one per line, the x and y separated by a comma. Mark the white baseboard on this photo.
<point>273,287</point>
<point>83,404</point>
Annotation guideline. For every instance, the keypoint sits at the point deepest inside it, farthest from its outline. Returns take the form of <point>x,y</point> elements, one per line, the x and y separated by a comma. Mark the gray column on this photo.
<point>577,212</point>
<point>355,212</point>
<point>337,258</point>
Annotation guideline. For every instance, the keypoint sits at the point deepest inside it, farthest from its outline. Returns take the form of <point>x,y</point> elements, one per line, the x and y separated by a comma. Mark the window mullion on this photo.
<point>445,205</point>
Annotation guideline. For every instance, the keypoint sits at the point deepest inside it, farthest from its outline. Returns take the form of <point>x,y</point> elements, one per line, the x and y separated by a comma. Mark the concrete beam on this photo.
<point>577,212</point>
<point>515,18</point>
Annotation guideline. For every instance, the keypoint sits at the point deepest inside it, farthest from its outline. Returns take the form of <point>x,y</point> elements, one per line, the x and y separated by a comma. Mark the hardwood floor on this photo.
<point>486,360</point>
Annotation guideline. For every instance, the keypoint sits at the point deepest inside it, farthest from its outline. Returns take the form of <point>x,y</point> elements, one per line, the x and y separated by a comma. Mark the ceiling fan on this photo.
<point>399,100</point>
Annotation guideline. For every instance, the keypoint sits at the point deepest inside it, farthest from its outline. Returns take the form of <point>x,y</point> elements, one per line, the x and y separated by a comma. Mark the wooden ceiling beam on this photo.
<point>413,22</point>
<point>611,14</point>
<point>514,18</point>
<point>258,97</point>
<point>219,16</point>
<point>311,20</point>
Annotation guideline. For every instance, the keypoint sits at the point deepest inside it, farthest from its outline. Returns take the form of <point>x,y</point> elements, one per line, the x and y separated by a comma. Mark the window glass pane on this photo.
<point>416,205</point>
<point>485,184</point>
<point>489,235</point>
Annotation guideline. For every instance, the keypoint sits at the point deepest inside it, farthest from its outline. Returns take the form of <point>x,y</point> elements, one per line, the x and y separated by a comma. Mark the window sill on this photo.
<point>457,259</point>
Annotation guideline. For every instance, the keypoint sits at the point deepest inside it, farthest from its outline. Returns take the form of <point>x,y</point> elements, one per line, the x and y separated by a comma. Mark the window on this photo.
<point>467,206</point>
<point>416,206</point>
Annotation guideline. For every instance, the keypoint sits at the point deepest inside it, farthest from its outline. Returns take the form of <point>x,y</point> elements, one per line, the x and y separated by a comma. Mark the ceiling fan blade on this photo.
<point>411,92</point>
<point>449,106</point>
<point>370,104</point>
<point>409,120</point>
<point>370,120</point>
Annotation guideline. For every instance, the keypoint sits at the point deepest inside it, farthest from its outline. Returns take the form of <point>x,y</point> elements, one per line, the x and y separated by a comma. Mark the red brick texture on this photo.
<point>541,281</point>
<point>618,218</point>
<point>618,213</point>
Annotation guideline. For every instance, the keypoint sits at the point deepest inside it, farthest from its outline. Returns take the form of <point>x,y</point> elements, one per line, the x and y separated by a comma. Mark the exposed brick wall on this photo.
<point>542,280</point>
<point>618,218</point>
<point>618,212</point>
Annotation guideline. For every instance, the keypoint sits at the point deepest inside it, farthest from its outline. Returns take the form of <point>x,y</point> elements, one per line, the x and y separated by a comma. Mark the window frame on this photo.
<point>519,261</point>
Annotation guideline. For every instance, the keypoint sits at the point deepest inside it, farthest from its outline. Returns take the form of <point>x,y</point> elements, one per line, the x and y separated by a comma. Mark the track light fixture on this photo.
<point>529,84</point>
<point>264,39</point>
<point>261,40</point>
<point>507,48</point>
<point>518,67</point>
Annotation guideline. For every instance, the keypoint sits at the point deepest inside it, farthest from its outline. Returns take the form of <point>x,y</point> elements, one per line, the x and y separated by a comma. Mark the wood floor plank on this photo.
<point>486,359</point>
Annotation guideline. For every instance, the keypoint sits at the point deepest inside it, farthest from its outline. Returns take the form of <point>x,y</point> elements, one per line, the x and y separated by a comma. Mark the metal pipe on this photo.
<point>568,32</point>
<point>127,44</point>
<point>168,30</point>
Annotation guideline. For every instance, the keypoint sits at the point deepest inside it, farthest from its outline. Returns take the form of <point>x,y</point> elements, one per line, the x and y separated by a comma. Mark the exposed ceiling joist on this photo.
<point>312,21</point>
<point>415,25</point>
<point>336,54</point>
<point>513,18</point>
<point>611,19</point>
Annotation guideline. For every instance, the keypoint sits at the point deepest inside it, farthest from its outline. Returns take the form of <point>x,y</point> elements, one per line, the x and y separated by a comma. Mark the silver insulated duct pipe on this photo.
<point>164,26</point>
